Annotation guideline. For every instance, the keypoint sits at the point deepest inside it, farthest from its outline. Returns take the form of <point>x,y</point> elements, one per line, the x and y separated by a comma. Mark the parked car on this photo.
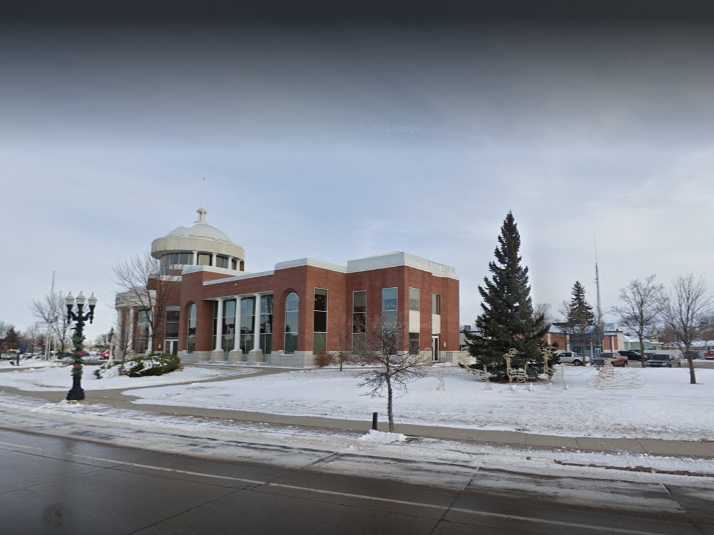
<point>631,355</point>
<point>620,361</point>
<point>615,359</point>
<point>709,355</point>
<point>659,360</point>
<point>571,357</point>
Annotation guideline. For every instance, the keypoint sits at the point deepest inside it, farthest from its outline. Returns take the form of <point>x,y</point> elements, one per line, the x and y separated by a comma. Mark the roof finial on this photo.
<point>201,215</point>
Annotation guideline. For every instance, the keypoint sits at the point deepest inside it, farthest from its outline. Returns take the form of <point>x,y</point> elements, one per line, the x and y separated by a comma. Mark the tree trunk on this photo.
<point>642,352</point>
<point>692,374</point>
<point>390,414</point>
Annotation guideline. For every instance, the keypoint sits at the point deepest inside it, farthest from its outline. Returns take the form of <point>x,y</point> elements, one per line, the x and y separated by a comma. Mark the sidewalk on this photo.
<point>673,448</point>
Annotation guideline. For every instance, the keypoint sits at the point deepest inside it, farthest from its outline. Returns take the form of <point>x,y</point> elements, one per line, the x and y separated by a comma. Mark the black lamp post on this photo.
<point>79,317</point>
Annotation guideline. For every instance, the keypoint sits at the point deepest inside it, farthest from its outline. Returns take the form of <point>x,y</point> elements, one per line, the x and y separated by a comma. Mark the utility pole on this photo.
<point>597,290</point>
<point>52,318</point>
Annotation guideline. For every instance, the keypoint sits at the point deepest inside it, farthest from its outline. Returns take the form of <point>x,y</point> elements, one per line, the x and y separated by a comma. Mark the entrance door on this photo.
<point>435,348</point>
<point>171,347</point>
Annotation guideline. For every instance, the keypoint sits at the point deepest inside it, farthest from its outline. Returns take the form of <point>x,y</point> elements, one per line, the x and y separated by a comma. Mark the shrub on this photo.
<point>152,365</point>
<point>323,359</point>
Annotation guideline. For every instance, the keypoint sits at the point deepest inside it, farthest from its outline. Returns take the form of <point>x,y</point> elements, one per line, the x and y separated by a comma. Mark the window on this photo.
<point>234,264</point>
<point>414,299</point>
<point>204,259</point>
<point>214,324</point>
<point>320,321</point>
<point>292,319</point>
<point>435,304</point>
<point>229,324</point>
<point>173,259</point>
<point>266,323</point>
<point>221,261</point>
<point>242,265</point>
<point>172,323</point>
<point>413,343</point>
<point>141,340</point>
<point>389,307</point>
<point>191,328</point>
<point>359,320</point>
<point>247,323</point>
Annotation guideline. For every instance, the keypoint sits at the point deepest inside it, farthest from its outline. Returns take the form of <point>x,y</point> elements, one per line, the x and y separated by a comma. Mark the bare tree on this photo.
<point>641,304</point>
<point>139,278</point>
<point>51,311</point>
<point>685,307</point>
<point>390,367</point>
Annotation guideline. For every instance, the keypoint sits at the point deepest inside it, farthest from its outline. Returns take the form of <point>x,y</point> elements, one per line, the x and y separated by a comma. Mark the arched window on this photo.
<point>191,328</point>
<point>292,321</point>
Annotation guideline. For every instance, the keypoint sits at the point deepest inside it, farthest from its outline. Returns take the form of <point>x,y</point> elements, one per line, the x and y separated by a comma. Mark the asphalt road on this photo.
<point>58,485</point>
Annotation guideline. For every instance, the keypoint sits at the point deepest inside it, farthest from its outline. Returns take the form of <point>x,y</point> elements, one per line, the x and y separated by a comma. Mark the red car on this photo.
<point>104,354</point>
<point>709,355</point>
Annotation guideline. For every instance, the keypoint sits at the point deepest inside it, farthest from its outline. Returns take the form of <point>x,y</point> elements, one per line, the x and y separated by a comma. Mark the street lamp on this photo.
<point>79,317</point>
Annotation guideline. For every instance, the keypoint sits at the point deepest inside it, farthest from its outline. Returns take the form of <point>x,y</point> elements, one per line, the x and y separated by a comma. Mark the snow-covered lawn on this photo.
<point>650,402</point>
<point>59,378</point>
<point>28,363</point>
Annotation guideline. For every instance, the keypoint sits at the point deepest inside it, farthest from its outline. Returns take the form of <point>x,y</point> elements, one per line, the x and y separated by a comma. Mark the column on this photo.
<point>257,352</point>
<point>217,353</point>
<point>195,258</point>
<point>213,259</point>
<point>235,354</point>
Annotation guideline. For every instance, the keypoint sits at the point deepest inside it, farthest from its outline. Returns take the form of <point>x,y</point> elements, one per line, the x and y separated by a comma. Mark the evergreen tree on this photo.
<point>580,319</point>
<point>508,320</point>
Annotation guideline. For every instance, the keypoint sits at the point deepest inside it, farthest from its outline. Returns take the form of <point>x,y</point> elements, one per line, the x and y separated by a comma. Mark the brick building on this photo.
<point>209,308</point>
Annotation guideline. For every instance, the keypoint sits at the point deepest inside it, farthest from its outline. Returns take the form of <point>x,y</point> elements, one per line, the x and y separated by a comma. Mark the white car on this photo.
<point>571,357</point>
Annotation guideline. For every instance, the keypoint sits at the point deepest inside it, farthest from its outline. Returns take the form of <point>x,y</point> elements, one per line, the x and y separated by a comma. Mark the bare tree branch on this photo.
<point>391,367</point>
<point>642,303</point>
<point>684,312</point>
<point>139,277</point>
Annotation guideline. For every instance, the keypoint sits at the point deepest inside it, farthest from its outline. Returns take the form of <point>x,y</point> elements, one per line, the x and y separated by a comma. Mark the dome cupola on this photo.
<point>199,244</point>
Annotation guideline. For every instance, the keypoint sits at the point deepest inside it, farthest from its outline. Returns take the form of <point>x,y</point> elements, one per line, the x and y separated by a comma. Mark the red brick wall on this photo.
<point>340,286</point>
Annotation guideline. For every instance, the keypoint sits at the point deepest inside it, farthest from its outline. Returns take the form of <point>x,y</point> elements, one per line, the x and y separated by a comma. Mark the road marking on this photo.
<point>475,512</point>
<point>366,497</point>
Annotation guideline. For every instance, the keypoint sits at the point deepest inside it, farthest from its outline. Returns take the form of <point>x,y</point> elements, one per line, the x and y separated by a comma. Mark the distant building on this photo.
<point>217,311</point>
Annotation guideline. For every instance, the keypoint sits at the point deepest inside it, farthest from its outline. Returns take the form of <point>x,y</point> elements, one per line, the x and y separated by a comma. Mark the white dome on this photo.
<point>200,230</point>
<point>200,237</point>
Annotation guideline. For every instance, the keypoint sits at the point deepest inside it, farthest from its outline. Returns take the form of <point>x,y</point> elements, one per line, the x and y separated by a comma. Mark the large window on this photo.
<point>292,321</point>
<point>266,323</point>
<point>172,323</point>
<point>414,299</point>
<point>229,324</point>
<point>413,343</point>
<point>221,261</point>
<point>204,259</point>
<point>191,328</point>
<point>247,323</point>
<point>172,259</point>
<point>435,304</point>
<point>389,307</point>
<point>234,264</point>
<point>320,321</point>
<point>359,320</point>
<point>141,340</point>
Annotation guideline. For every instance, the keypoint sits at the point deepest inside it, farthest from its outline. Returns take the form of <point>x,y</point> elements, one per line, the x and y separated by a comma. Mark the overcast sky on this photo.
<point>349,142</point>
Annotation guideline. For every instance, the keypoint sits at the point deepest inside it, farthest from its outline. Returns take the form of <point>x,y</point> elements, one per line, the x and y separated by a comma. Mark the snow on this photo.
<point>380,437</point>
<point>571,477</point>
<point>60,378</point>
<point>28,363</point>
<point>635,402</point>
